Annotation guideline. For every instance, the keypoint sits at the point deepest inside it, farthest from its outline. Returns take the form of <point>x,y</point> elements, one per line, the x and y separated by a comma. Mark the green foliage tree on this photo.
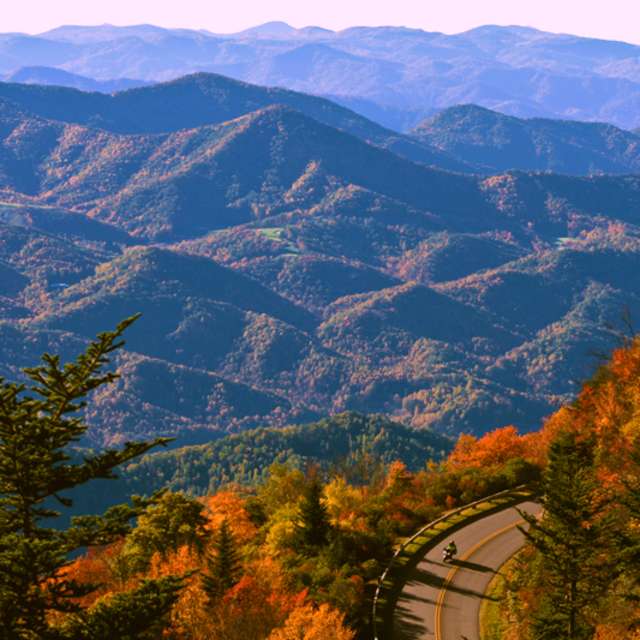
<point>173,521</point>
<point>313,527</point>
<point>224,564</point>
<point>576,540</point>
<point>38,426</point>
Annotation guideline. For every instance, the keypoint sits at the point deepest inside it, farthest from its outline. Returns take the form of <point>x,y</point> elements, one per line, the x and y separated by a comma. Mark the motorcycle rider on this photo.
<point>451,550</point>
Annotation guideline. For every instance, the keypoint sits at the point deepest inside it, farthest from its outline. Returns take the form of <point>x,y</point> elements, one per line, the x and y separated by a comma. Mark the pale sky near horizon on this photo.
<point>610,19</point>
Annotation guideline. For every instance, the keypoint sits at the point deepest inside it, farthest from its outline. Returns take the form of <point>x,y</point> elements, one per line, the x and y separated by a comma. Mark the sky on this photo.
<point>610,19</point>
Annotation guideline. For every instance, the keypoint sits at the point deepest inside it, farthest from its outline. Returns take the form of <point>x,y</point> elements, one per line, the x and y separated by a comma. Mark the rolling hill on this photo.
<point>496,142</point>
<point>204,99</point>
<point>360,446</point>
<point>287,269</point>
<point>43,75</point>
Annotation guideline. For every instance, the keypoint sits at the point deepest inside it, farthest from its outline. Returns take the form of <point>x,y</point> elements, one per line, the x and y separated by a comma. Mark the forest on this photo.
<point>293,262</point>
<point>297,553</point>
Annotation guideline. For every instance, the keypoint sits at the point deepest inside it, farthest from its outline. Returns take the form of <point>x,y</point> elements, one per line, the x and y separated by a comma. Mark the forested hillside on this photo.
<point>287,269</point>
<point>497,142</point>
<point>361,444</point>
<point>205,99</point>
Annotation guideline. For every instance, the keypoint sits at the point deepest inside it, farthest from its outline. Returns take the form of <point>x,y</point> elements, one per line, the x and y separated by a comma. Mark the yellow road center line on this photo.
<point>451,575</point>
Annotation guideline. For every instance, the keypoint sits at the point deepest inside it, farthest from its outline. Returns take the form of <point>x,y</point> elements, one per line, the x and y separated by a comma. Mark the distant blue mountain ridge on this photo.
<point>395,76</point>
<point>61,78</point>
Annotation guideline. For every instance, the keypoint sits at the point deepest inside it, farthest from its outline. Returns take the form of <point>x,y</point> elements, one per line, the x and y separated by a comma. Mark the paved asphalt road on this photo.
<point>442,601</point>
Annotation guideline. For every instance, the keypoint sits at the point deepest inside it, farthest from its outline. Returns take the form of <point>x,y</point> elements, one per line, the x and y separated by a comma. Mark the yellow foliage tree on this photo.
<point>343,501</point>
<point>308,623</point>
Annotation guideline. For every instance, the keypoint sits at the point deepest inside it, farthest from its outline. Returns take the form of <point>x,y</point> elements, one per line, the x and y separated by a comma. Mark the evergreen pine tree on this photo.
<point>224,564</point>
<point>38,426</point>
<point>630,534</point>
<point>576,540</point>
<point>313,527</point>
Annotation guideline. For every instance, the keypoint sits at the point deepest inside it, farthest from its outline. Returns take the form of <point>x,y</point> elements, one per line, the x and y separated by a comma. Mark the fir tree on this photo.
<point>630,534</point>
<point>313,527</point>
<point>576,541</point>
<point>224,565</point>
<point>39,424</point>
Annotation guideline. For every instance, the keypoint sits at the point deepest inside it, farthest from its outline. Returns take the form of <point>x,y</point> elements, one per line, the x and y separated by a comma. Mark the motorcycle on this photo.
<point>448,554</point>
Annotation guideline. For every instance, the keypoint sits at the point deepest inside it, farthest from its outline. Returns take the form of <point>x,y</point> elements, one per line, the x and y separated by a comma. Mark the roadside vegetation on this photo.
<point>492,624</point>
<point>578,578</point>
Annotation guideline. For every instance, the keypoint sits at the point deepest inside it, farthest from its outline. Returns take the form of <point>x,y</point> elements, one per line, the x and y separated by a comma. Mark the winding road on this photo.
<point>442,601</point>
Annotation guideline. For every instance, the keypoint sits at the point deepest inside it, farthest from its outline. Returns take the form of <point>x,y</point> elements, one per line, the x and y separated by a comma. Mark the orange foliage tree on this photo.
<point>228,505</point>
<point>495,448</point>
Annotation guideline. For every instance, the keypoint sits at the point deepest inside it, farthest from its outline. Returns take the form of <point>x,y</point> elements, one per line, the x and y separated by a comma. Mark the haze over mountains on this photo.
<point>395,76</point>
<point>293,259</point>
<point>61,78</point>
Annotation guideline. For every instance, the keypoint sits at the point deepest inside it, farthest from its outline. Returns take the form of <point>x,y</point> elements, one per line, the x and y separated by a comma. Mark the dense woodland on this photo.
<point>299,551</point>
<point>293,259</point>
<point>356,443</point>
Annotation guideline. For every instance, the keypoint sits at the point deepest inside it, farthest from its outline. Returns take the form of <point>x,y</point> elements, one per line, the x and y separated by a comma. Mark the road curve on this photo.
<point>442,601</point>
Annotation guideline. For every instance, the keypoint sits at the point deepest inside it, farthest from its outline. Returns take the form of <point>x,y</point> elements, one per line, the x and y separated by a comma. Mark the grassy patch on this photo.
<point>491,623</point>
<point>273,233</point>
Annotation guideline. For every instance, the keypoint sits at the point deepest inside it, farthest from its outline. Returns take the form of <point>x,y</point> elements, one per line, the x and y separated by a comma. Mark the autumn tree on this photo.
<point>282,488</point>
<point>228,505</point>
<point>224,565</point>
<point>310,623</point>
<point>575,540</point>
<point>39,424</point>
<point>495,448</point>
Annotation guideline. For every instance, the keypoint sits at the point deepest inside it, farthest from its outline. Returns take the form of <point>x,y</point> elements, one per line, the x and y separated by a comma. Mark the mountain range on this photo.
<point>292,259</point>
<point>395,76</point>
<point>465,138</point>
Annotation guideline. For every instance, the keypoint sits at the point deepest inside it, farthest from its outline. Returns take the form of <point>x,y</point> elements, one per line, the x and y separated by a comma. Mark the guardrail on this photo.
<point>454,519</point>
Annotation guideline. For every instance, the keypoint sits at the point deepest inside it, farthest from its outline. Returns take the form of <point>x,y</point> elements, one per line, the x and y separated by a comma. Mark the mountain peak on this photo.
<point>459,114</point>
<point>499,28</point>
<point>271,29</point>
